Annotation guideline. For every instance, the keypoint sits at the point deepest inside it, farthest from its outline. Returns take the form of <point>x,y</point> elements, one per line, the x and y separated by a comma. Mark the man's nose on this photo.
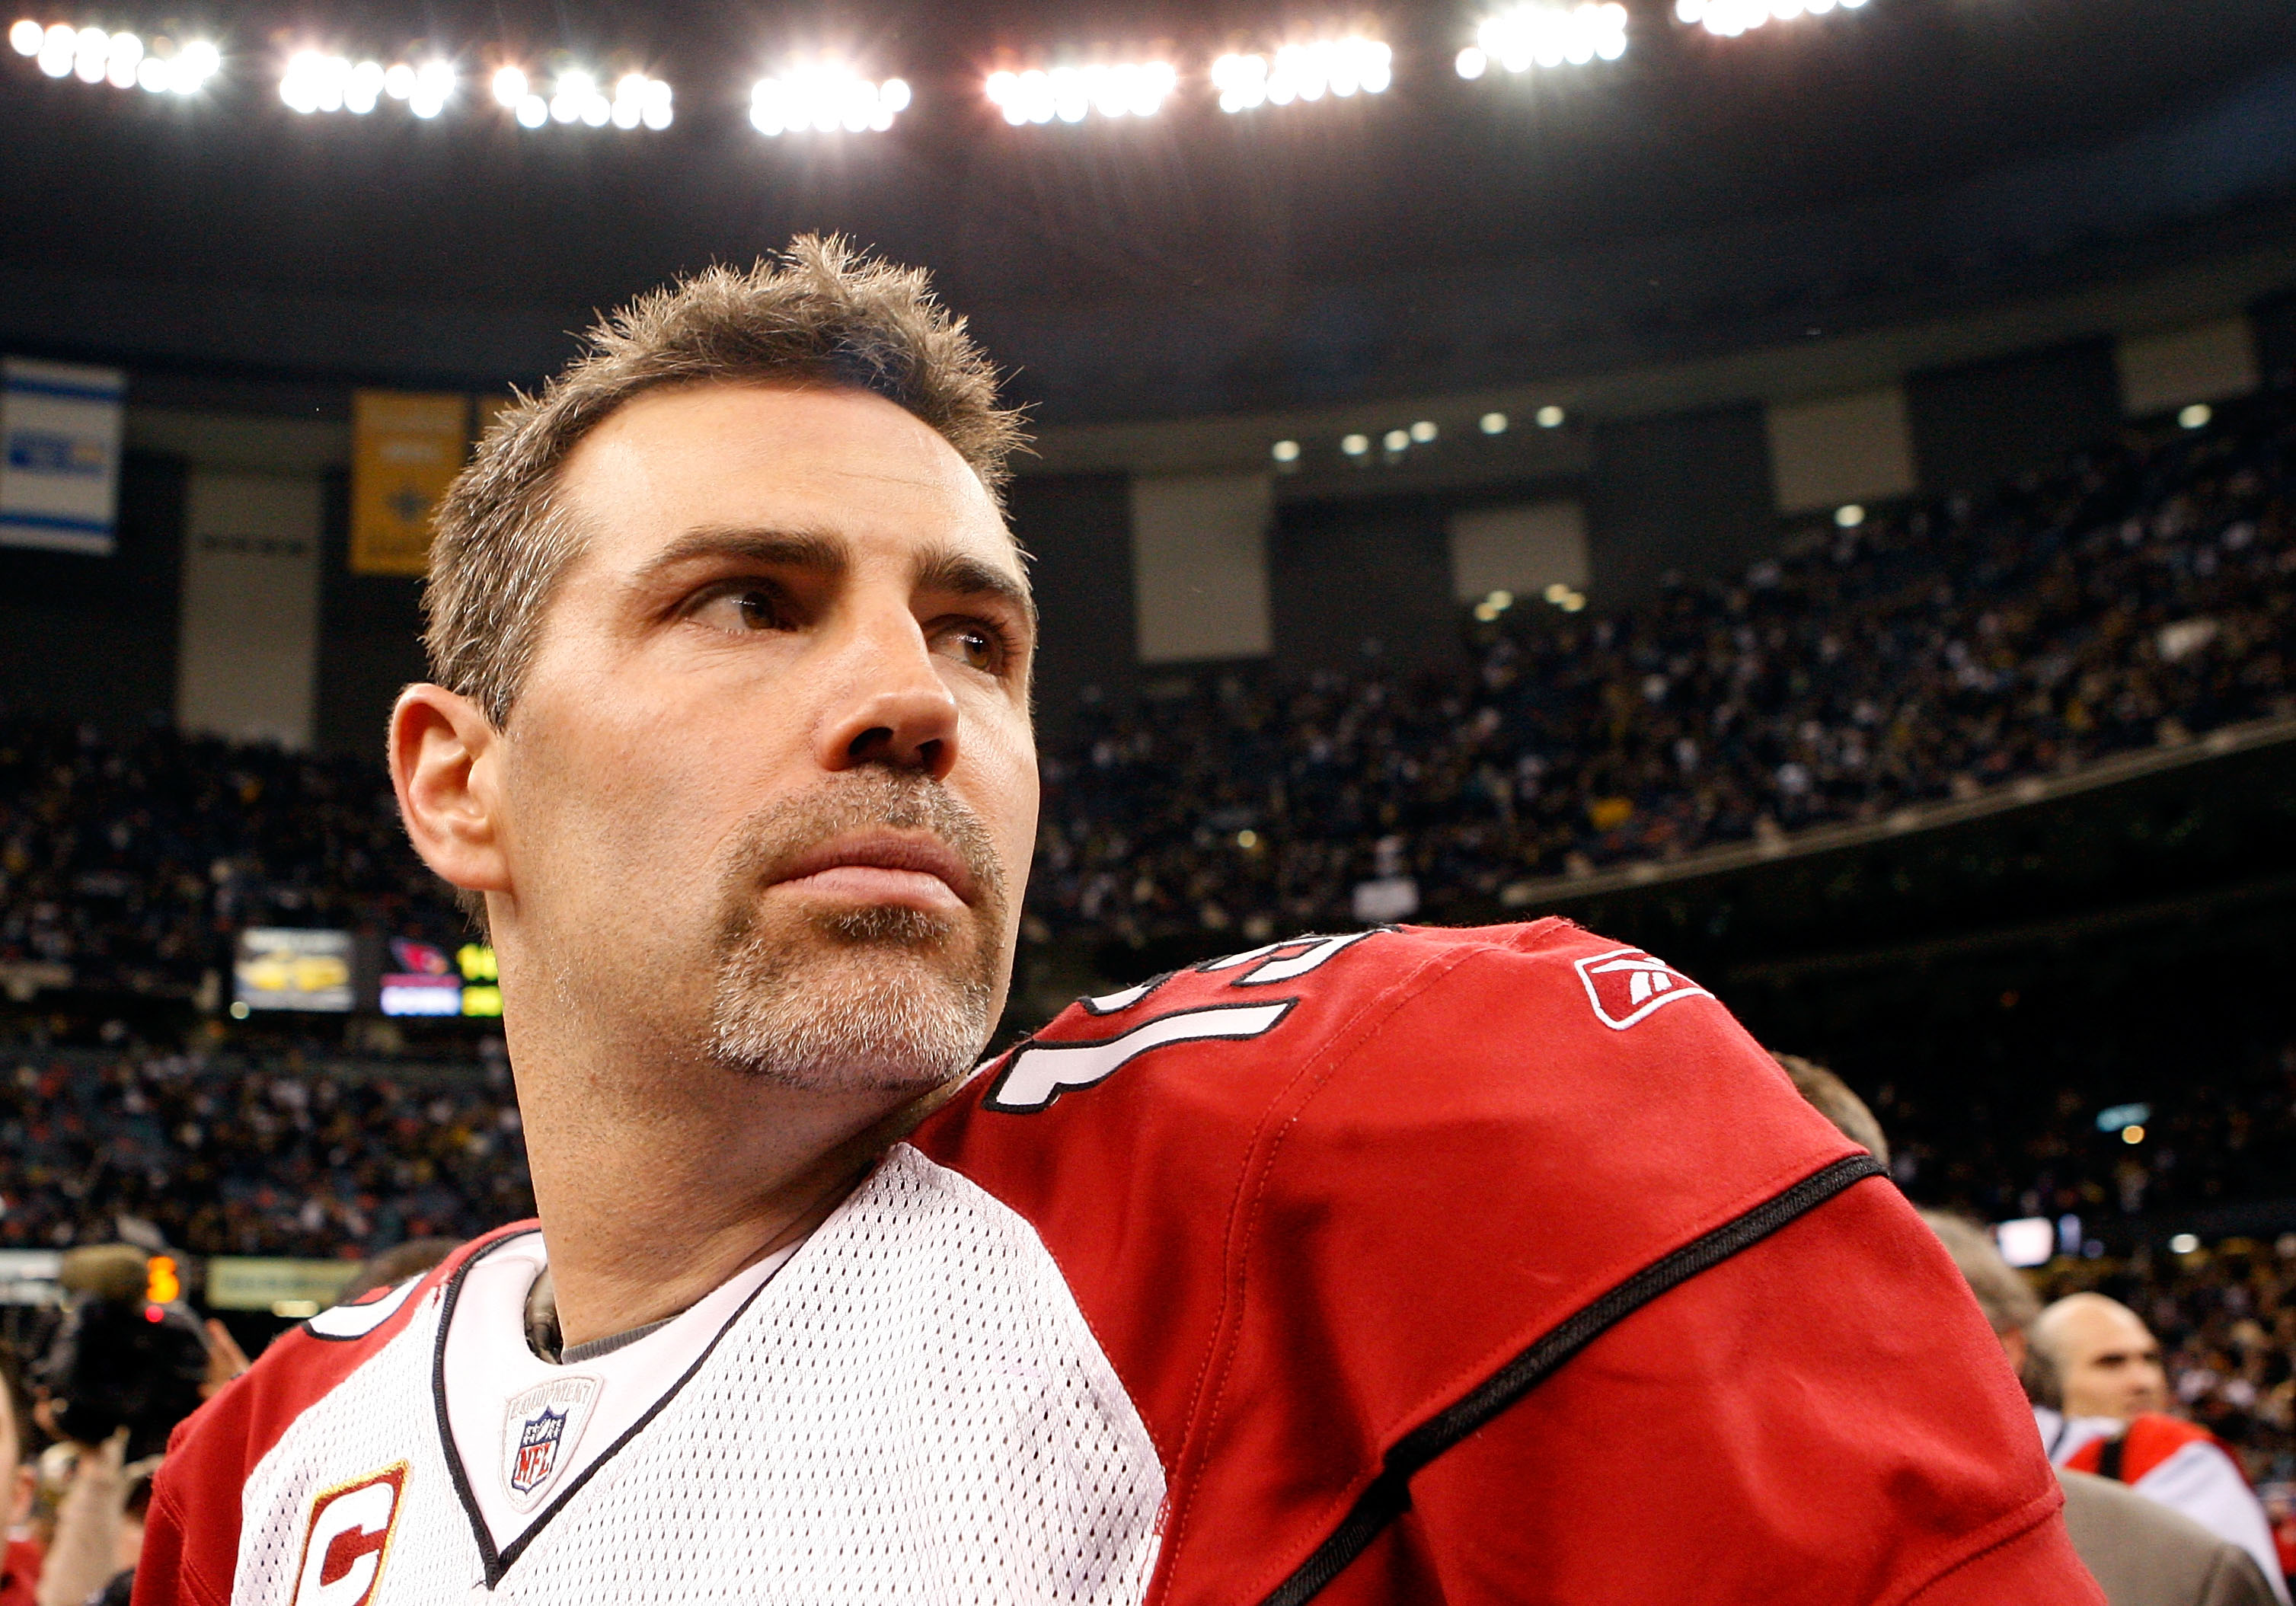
<point>892,707</point>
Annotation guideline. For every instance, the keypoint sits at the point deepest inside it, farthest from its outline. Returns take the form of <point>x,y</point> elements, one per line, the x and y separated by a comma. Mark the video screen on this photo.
<point>279,968</point>
<point>426,980</point>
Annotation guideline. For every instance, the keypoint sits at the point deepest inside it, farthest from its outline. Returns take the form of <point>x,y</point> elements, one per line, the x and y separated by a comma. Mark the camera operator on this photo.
<point>124,1367</point>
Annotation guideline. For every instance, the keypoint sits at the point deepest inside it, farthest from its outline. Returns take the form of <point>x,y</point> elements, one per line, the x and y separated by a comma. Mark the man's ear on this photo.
<point>444,758</point>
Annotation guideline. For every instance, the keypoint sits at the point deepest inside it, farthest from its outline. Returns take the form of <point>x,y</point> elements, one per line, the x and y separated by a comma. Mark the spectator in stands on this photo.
<point>2143,1552</point>
<point>2096,1370</point>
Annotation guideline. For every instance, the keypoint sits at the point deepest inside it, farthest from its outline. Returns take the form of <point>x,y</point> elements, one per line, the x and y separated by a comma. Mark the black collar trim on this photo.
<point>498,1564</point>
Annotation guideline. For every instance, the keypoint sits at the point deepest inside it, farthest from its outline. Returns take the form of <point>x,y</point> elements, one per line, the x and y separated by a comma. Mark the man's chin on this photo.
<point>872,1008</point>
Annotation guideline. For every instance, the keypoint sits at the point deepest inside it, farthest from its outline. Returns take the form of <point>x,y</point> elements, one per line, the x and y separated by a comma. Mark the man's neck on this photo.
<point>657,1184</point>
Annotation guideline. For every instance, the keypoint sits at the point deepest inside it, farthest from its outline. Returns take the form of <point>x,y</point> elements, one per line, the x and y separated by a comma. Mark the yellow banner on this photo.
<point>406,450</point>
<point>304,1287</point>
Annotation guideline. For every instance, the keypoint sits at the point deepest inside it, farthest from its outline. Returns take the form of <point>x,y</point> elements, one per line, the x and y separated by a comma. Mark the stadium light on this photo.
<point>823,98</point>
<point>1849,515</point>
<point>122,60</point>
<point>1308,71</point>
<point>1550,417</point>
<point>2196,417</point>
<point>1536,35</point>
<point>1730,18</point>
<point>1072,94</point>
<point>1355,446</point>
<point>1284,451</point>
<point>1424,432</point>
<point>1396,440</point>
<point>1492,423</point>
<point>315,81</point>
<point>635,101</point>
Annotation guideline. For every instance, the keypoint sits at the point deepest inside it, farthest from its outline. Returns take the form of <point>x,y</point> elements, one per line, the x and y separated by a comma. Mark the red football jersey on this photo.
<point>1410,1265</point>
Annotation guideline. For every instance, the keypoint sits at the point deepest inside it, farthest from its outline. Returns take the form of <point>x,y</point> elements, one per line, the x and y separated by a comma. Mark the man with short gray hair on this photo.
<point>1388,1266</point>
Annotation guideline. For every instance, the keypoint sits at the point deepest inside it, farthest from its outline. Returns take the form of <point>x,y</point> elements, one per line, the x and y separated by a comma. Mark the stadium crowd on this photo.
<point>2140,594</point>
<point>229,1157</point>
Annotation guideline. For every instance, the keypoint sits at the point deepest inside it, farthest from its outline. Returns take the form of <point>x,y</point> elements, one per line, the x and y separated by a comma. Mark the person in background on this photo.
<point>2096,1375</point>
<point>2141,1551</point>
<point>19,1565</point>
<point>1831,1097</point>
<point>393,1266</point>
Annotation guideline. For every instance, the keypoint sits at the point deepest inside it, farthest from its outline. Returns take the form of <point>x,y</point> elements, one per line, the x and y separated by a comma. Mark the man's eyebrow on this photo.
<point>782,548</point>
<point>960,574</point>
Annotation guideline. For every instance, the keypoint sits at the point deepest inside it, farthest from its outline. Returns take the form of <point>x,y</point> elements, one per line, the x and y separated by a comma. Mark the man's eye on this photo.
<point>746,608</point>
<point>974,646</point>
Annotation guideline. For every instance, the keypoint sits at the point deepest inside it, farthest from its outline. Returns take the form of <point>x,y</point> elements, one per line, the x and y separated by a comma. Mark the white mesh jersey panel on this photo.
<point>914,1410</point>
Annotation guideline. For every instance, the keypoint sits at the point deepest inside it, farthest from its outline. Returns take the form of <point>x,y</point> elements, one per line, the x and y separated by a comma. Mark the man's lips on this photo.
<point>883,867</point>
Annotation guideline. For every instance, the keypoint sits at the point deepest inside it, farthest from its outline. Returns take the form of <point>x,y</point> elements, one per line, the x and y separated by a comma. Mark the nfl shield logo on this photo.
<point>538,1438</point>
<point>1626,985</point>
<point>542,1431</point>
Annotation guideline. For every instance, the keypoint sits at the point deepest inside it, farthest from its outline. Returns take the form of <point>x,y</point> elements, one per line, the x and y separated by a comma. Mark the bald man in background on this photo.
<point>2096,1370</point>
<point>2143,1552</point>
<point>2106,1361</point>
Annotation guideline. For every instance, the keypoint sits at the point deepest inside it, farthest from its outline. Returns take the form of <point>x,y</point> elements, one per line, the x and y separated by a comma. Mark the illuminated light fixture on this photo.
<point>1284,451</point>
<point>122,60</point>
<point>1730,18</point>
<point>2196,417</point>
<point>1355,446</point>
<point>823,98</point>
<point>1492,423</point>
<point>637,100</point>
<point>1850,515</point>
<point>315,81</point>
<point>126,53</point>
<point>1550,417</point>
<point>1424,430</point>
<point>1342,68</point>
<point>1498,602</point>
<point>1072,94</point>
<point>1396,440</point>
<point>2184,1243</point>
<point>1536,35</point>
<point>1564,597</point>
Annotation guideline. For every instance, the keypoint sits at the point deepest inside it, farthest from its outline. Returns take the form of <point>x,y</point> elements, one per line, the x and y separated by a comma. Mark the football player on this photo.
<point>1399,1264</point>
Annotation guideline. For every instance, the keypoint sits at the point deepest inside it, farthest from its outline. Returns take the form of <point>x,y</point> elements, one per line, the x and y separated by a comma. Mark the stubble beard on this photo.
<point>874,998</point>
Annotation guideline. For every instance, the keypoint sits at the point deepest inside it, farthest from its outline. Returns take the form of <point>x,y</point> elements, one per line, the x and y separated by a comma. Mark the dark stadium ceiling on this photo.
<point>150,229</point>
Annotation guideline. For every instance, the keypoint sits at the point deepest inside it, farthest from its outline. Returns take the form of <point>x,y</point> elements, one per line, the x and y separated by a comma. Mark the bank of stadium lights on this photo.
<point>637,101</point>
<point>314,82</point>
<point>1072,94</point>
<point>1536,35</point>
<point>823,98</point>
<point>121,60</point>
<point>1731,18</point>
<point>1341,68</point>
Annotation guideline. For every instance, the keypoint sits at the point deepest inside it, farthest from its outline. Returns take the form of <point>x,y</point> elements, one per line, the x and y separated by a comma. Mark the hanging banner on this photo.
<point>60,429</point>
<point>406,450</point>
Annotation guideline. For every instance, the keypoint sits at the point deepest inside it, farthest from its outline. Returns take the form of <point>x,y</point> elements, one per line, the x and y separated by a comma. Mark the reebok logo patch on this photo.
<point>1626,985</point>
